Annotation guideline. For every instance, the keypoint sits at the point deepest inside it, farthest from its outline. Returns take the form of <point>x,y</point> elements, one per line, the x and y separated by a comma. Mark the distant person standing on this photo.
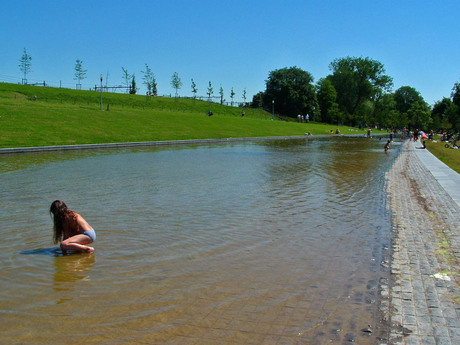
<point>307,118</point>
<point>242,113</point>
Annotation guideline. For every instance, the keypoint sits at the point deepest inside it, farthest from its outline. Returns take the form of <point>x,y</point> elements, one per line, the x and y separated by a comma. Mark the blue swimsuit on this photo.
<point>91,234</point>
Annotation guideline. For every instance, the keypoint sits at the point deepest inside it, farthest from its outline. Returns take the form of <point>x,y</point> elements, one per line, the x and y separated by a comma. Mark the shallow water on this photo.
<point>277,242</point>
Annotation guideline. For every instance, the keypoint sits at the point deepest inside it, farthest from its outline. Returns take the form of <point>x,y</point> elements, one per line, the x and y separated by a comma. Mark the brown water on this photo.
<point>252,243</point>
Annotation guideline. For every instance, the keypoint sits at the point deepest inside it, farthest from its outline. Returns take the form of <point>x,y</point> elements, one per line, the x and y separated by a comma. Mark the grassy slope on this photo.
<point>64,117</point>
<point>450,157</point>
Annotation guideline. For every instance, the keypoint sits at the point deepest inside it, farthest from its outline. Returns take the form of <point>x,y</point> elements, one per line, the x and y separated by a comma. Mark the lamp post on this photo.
<point>273,110</point>
<point>101,91</point>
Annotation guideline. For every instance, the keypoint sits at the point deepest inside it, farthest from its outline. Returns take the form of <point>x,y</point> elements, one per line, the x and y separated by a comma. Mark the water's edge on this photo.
<point>167,143</point>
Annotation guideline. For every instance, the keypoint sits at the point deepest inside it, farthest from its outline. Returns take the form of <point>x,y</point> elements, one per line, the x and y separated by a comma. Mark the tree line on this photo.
<point>129,80</point>
<point>357,93</point>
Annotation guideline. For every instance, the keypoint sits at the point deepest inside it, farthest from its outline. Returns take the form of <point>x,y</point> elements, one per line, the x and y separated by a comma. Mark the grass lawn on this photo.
<point>66,117</point>
<point>450,157</point>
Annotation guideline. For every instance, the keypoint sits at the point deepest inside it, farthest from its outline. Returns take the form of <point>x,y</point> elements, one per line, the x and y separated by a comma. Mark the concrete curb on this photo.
<point>165,143</point>
<point>134,144</point>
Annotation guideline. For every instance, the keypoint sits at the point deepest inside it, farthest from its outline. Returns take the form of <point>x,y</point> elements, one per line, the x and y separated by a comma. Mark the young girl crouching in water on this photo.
<point>70,229</point>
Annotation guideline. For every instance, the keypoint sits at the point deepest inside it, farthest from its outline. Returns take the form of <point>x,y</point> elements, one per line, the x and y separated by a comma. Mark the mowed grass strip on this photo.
<point>450,157</point>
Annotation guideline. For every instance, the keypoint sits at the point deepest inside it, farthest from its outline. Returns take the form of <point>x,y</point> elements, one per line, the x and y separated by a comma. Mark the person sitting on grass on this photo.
<point>70,229</point>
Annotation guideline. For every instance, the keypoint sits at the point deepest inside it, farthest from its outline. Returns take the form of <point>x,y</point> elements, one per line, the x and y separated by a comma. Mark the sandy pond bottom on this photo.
<point>277,242</point>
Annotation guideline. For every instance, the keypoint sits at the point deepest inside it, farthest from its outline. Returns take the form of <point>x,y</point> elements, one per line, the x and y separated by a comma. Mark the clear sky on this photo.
<point>230,43</point>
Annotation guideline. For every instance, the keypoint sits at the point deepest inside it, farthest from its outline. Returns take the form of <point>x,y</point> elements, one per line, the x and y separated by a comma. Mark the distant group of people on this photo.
<point>303,119</point>
<point>415,136</point>
<point>450,136</point>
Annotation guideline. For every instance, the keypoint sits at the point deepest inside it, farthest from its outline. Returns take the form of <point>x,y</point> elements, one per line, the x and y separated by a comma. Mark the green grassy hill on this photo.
<point>42,116</point>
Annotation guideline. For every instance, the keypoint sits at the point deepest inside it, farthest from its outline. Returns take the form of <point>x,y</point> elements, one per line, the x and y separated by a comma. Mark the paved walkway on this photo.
<point>425,295</point>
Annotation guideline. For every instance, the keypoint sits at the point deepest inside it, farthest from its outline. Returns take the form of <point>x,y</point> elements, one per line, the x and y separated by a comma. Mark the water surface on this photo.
<point>277,242</point>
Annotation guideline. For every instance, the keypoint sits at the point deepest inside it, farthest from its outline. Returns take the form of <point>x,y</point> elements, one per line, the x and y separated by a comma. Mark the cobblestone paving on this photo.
<point>424,295</point>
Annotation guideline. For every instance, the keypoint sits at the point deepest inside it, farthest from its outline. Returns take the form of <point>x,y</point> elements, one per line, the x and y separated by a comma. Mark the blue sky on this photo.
<point>230,43</point>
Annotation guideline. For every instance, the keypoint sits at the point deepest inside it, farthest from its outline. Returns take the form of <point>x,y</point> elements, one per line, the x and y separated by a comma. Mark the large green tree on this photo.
<point>456,94</point>
<point>258,100</point>
<point>327,97</point>
<point>412,107</point>
<point>442,113</point>
<point>446,113</point>
<point>292,91</point>
<point>385,113</point>
<point>455,120</point>
<point>405,96</point>
<point>419,116</point>
<point>358,81</point>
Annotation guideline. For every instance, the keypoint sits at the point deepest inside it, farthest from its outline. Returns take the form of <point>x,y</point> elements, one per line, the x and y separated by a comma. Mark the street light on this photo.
<point>273,110</point>
<point>101,91</point>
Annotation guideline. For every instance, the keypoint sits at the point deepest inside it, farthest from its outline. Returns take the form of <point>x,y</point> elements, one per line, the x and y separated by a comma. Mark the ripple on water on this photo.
<point>241,241</point>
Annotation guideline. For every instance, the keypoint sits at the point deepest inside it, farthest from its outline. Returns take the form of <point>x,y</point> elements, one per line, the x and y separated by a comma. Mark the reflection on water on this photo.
<point>69,270</point>
<point>275,242</point>
<point>53,251</point>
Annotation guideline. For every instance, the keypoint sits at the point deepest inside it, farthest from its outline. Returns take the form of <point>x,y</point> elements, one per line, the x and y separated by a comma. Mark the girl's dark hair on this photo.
<point>61,215</point>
